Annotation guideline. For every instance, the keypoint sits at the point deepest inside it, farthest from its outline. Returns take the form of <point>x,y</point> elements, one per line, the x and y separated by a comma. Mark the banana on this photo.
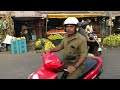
<point>112,40</point>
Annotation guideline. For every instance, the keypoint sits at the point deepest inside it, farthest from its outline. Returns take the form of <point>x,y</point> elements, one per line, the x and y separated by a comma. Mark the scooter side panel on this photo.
<point>43,73</point>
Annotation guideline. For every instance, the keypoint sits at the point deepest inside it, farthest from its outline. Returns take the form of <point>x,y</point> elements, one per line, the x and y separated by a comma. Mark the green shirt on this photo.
<point>78,42</point>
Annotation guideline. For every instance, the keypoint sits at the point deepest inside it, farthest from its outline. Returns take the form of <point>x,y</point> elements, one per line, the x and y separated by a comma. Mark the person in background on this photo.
<point>40,30</point>
<point>92,43</point>
<point>24,32</point>
<point>89,28</point>
<point>43,30</point>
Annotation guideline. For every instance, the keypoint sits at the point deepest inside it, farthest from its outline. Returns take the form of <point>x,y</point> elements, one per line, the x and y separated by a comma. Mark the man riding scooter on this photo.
<point>75,48</point>
<point>75,64</point>
<point>91,42</point>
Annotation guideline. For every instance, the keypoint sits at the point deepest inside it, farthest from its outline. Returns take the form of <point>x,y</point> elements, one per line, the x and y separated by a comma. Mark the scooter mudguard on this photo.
<point>43,73</point>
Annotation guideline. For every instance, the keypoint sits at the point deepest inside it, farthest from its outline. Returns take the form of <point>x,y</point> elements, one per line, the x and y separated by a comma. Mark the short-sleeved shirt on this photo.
<point>77,45</point>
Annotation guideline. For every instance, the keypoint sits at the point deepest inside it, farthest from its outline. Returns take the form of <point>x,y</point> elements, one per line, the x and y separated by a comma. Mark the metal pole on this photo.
<point>46,25</point>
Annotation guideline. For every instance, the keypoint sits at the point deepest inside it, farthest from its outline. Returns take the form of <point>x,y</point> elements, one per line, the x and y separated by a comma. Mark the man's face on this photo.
<point>70,29</point>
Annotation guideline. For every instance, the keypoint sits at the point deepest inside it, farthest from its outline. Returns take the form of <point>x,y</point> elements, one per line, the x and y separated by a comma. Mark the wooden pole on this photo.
<point>110,18</point>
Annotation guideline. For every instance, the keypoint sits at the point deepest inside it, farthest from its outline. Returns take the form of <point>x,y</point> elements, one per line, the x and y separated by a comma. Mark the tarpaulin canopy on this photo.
<point>73,15</point>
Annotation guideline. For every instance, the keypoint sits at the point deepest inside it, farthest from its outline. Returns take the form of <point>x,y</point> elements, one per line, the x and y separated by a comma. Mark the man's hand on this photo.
<point>71,69</point>
<point>47,51</point>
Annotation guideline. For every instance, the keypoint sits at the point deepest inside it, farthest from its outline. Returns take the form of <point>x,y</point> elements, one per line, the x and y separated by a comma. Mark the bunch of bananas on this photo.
<point>56,36</point>
<point>112,40</point>
<point>20,38</point>
<point>38,43</point>
<point>49,45</point>
<point>51,37</point>
<point>43,45</point>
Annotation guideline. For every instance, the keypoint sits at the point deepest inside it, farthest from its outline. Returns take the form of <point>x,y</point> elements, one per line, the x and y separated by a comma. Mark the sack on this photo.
<point>7,39</point>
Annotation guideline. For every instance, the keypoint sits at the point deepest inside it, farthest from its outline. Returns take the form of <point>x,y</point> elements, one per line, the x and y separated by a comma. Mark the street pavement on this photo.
<point>111,63</point>
<point>20,66</point>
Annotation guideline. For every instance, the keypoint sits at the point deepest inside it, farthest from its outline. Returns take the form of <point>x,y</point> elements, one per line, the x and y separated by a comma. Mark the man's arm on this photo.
<point>59,47</point>
<point>80,62</point>
<point>83,53</point>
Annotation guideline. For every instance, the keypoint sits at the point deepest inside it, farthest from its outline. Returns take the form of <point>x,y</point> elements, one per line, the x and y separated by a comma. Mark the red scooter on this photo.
<point>52,65</point>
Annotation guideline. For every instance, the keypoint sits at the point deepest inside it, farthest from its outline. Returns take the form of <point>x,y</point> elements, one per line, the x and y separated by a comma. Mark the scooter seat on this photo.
<point>90,64</point>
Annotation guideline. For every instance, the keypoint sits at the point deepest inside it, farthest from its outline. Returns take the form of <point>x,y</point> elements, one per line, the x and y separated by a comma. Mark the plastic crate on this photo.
<point>15,51</point>
<point>22,46</point>
<point>14,42</point>
<point>22,42</point>
<point>23,50</point>
<point>14,48</point>
<point>34,37</point>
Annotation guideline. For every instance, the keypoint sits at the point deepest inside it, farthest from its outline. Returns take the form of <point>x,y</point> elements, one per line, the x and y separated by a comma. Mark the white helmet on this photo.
<point>71,20</point>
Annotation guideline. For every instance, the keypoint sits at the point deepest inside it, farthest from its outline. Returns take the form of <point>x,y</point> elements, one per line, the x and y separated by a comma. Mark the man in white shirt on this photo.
<point>89,28</point>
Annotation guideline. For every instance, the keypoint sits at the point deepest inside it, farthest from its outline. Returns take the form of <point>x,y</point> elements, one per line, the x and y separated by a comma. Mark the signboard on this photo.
<point>73,15</point>
<point>26,14</point>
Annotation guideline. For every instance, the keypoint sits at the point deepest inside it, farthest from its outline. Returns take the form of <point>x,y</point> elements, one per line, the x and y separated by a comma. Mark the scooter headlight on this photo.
<point>35,76</point>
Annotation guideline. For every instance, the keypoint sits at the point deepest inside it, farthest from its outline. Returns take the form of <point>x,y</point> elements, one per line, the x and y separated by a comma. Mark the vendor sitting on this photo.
<point>24,32</point>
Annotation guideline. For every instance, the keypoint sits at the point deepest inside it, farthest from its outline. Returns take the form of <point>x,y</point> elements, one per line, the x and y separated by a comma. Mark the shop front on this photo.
<point>29,26</point>
<point>54,22</point>
<point>32,24</point>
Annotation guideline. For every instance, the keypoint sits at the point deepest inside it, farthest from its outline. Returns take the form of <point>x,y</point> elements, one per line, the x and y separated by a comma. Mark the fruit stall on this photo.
<point>55,30</point>
<point>6,28</point>
<point>54,24</point>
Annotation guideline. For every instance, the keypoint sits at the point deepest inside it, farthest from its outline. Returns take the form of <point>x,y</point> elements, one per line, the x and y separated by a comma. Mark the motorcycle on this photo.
<point>52,65</point>
<point>93,36</point>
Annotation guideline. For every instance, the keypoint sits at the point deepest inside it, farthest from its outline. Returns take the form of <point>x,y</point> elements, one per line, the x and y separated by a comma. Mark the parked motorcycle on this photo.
<point>52,65</point>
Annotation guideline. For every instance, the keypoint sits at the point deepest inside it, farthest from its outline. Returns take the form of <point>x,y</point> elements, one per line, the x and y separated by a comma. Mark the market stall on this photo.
<point>6,30</point>
<point>58,28</point>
